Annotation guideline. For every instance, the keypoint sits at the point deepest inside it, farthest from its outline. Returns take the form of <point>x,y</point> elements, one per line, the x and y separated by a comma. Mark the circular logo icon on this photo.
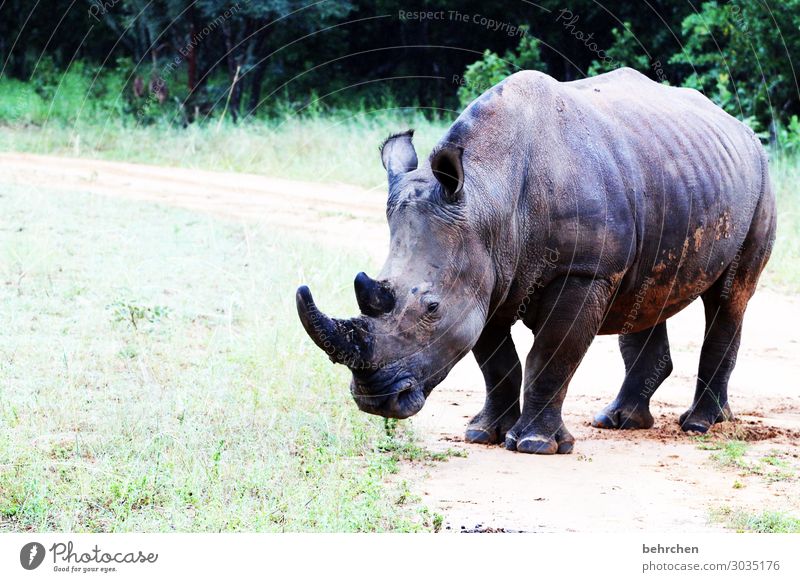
<point>31,555</point>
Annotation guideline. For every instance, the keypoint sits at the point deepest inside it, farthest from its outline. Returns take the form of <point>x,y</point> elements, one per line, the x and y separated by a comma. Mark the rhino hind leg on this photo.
<point>724,313</point>
<point>502,372</point>
<point>725,304</point>
<point>647,365</point>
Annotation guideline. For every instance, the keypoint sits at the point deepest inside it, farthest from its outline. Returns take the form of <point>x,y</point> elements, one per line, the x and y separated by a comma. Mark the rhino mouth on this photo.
<point>398,398</point>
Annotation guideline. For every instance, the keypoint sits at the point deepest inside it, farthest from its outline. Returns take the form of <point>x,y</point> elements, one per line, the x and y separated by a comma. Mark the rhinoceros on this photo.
<point>599,206</point>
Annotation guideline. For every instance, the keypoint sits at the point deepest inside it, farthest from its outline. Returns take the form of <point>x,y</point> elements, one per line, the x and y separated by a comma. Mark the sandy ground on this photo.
<point>615,481</point>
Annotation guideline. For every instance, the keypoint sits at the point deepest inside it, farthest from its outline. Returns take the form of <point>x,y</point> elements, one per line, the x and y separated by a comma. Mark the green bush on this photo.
<point>491,69</point>
<point>735,54</point>
<point>625,51</point>
<point>53,95</point>
<point>20,103</point>
<point>788,136</point>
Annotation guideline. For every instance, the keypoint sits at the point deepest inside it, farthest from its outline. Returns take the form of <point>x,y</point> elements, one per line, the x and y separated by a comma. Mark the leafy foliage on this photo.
<point>181,61</point>
<point>625,51</point>
<point>739,55</point>
<point>491,69</point>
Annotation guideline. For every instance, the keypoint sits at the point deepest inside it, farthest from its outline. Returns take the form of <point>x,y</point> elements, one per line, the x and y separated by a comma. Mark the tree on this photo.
<point>739,54</point>
<point>491,69</point>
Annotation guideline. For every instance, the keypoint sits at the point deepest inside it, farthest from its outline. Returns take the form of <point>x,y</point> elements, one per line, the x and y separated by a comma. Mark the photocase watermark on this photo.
<point>737,18</point>
<point>727,284</point>
<point>639,298</point>
<point>158,85</point>
<point>198,37</point>
<point>733,268</point>
<point>99,9</point>
<point>658,70</point>
<point>456,16</point>
<point>654,380</point>
<point>31,555</point>
<point>569,21</point>
<point>462,81</point>
<point>546,262</point>
<point>65,558</point>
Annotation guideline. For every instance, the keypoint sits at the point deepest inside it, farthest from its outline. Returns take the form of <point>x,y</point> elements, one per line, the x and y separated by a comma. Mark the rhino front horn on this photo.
<point>374,298</point>
<point>342,340</point>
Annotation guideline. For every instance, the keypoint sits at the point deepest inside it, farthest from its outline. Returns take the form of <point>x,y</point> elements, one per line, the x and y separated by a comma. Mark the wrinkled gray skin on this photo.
<point>599,206</point>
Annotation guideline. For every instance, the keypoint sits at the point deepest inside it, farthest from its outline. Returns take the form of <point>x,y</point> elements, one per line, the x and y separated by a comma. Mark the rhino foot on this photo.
<point>698,420</point>
<point>630,416</point>
<point>532,439</point>
<point>486,429</point>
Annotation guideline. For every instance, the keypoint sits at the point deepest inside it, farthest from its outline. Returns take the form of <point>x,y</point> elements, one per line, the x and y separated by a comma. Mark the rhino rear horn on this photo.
<point>398,154</point>
<point>342,339</point>
<point>374,298</point>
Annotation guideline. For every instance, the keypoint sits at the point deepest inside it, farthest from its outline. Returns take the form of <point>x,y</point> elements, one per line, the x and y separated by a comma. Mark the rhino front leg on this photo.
<point>565,324</point>
<point>502,372</point>
<point>647,365</point>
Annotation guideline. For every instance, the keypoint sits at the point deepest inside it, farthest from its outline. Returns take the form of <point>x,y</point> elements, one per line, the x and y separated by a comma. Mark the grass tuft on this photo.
<point>734,454</point>
<point>763,522</point>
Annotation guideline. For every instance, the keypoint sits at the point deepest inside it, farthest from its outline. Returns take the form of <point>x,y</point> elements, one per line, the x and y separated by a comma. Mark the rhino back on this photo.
<point>649,186</point>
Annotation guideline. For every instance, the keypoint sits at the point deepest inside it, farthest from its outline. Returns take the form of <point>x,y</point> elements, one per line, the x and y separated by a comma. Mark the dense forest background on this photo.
<point>181,60</point>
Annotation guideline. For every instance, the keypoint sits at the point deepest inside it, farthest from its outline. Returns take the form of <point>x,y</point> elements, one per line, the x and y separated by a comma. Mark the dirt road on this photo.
<point>657,480</point>
<point>324,211</point>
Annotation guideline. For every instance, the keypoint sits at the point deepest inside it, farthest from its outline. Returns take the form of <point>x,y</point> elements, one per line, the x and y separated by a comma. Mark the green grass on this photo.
<point>154,377</point>
<point>737,455</point>
<point>763,522</point>
<point>782,269</point>
<point>336,148</point>
<point>71,113</point>
<point>731,453</point>
<point>401,446</point>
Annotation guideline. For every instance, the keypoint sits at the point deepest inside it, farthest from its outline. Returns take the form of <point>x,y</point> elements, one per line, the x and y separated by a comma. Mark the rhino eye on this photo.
<point>432,307</point>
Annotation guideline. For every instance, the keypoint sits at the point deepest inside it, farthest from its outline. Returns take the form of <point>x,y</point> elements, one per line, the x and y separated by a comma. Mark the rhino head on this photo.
<point>429,303</point>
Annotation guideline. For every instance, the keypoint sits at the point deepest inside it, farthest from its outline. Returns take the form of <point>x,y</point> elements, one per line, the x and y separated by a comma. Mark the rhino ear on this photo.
<point>448,169</point>
<point>398,155</point>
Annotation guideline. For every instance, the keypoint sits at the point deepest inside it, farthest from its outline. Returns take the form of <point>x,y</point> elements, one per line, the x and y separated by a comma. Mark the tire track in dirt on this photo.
<point>656,480</point>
